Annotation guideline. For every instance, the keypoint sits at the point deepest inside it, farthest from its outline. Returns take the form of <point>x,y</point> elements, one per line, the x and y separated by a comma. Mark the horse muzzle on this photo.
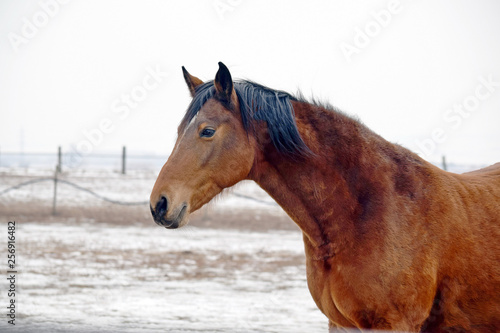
<point>162,217</point>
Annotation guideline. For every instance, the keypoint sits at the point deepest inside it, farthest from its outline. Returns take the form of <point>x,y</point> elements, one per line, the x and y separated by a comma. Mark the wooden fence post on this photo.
<point>56,173</point>
<point>54,201</point>
<point>59,159</point>
<point>124,156</point>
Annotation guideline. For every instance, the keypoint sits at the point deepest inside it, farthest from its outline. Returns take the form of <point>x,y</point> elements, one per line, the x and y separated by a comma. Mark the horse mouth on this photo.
<point>170,223</point>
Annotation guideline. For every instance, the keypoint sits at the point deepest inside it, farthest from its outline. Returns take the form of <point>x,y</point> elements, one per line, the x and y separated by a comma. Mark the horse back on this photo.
<point>479,192</point>
<point>481,188</point>
<point>492,170</point>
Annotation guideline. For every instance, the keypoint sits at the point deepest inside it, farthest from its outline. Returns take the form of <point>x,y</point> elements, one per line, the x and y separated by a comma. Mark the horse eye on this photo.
<point>207,132</point>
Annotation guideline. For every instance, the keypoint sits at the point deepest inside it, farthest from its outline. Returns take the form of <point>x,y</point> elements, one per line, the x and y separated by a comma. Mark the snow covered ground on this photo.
<point>108,278</point>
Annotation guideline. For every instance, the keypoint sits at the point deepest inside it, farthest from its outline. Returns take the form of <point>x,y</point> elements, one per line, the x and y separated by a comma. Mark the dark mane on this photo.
<point>259,103</point>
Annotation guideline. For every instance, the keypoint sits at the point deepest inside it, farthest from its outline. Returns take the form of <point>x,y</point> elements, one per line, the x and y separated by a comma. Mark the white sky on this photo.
<point>68,75</point>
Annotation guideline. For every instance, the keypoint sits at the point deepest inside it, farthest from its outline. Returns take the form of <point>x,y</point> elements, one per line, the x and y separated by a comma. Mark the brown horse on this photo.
<point>391,241</point>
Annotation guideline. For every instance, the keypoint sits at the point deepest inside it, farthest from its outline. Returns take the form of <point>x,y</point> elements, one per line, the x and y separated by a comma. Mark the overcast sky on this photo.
<point>93,76</point>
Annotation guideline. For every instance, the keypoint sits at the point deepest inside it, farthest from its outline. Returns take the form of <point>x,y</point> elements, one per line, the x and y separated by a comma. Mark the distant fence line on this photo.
<point>71,160</point>
<point>57,180</point>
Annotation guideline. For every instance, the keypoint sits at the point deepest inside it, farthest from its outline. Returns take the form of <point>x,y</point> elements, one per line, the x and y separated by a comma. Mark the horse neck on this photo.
<point>343,185</point>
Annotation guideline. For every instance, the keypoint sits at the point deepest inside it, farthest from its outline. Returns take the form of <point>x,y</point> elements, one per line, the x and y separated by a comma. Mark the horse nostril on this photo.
<point>161,207</point>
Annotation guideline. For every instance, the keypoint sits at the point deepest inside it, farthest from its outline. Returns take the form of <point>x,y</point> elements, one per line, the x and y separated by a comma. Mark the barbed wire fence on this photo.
<point>56,180</point>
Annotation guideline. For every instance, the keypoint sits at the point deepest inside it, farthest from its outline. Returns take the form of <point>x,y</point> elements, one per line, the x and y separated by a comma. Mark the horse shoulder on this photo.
<point>470,229</point>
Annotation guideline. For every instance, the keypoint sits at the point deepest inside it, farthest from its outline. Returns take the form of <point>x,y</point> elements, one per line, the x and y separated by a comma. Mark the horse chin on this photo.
<point>184,220</point>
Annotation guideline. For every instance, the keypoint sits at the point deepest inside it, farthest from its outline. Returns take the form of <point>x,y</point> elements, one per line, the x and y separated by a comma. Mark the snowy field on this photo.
<point>102,278</point>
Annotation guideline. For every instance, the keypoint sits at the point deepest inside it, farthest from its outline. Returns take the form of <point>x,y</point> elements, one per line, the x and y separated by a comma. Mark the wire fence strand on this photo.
<point>117,202</point>
<point>113,201</point>
<point>33,181</point>
<point>81,188</point>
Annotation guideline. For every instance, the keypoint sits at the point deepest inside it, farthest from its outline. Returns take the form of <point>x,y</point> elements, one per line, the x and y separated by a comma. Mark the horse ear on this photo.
<point>191,81</point>
<point>223,83</point>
